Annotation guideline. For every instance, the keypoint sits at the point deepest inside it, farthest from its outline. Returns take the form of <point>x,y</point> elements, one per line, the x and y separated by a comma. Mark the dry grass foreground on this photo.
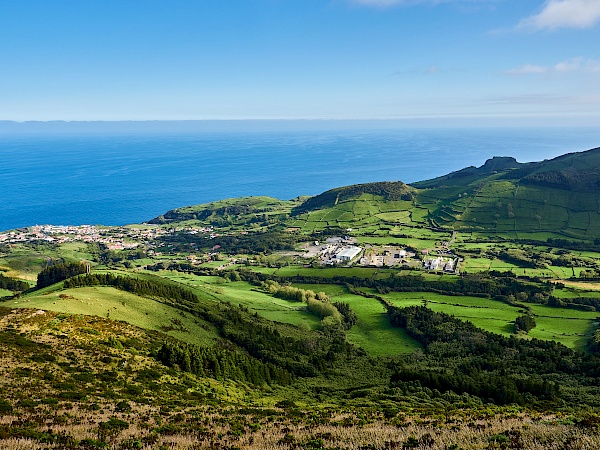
<point>79,382</point>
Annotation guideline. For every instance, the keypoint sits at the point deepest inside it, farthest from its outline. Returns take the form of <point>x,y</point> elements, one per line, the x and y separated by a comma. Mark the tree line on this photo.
<point>465,359</point>
<point>221,364</point>
<point>142,287</point>
<point>59,272</point>
<point>12,284</point>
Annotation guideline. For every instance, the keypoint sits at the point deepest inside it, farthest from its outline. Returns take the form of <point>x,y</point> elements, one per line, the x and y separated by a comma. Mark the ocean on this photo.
<point>121,178</point>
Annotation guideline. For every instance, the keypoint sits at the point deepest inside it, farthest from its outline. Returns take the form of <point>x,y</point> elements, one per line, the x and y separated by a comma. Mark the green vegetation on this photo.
<point>12,285</point>
<point>248,339</point>
<point>108,302</point>
<point>59,272</point>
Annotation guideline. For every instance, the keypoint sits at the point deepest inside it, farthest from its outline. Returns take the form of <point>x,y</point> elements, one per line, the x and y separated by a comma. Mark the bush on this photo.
<point>524,323</point>
<point>5,407</point>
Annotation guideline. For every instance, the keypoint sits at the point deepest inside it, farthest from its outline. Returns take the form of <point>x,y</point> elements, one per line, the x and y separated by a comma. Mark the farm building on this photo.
<point>348,253</point>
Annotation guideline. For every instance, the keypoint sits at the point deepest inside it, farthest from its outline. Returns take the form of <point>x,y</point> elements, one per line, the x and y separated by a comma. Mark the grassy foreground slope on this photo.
<point>106,301</point>
<point>80,382</point>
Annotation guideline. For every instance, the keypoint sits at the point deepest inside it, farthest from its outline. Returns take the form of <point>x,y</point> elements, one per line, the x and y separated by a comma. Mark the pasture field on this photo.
<point>23,263</point>
<point>417,243</point>
<point>581,285</point>
<point>5,293</point>
<point>478,264</point>
<point>538,236</point>
<point>592,255</point>
<point>491,315</point>
<point>267,270</point>
<point>373,331</point>
<point>118,305</point>
<point>362,213</point>
<point>75,251</point>
<point>570,327</point>
<point>244,294</point>
<point>267,306</point>
<point>475,264</point>
<point>572,292</point>
<point>382,274</point>
<point>214,264</point>
<point>395,217</point>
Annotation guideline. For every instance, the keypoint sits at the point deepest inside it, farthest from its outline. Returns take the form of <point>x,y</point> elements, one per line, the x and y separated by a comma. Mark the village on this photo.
<point>339,251</point>
<point>114,238</point>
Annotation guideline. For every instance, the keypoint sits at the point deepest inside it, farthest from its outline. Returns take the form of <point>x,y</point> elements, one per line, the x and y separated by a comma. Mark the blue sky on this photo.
<point>521,61</point>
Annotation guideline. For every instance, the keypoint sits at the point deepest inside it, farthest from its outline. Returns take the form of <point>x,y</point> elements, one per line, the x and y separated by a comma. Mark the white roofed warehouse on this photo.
<point>348,253</point>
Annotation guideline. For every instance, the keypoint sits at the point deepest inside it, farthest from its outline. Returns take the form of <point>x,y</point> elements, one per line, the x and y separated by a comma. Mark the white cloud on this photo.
<point>564,14</point>
<point>575,65</point>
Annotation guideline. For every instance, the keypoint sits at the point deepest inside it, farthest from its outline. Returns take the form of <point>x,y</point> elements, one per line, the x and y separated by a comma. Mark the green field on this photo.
<point>244,294</point>
<point>75,251</point>
<point>118,305</point>
<point>361,272</point>
<point>23,263</point>
<point>485,313</point>
<point>570,327</point>
<point>373,331</point>
<point>569,292</point>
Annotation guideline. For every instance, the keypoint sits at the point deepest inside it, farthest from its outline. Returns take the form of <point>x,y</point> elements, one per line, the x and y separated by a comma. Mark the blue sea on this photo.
<point>121,178</point>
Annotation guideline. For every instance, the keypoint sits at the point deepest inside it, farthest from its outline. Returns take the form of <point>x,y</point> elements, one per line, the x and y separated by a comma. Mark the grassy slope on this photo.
<point>570,327</point>
<point>373,332</point>
<point>111,303</point>
<point>488,314</point>
<point>56,358</point>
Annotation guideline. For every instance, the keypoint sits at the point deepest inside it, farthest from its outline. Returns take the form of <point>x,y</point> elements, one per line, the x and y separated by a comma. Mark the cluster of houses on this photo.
<point>115,238</point>
<point>440,263</point>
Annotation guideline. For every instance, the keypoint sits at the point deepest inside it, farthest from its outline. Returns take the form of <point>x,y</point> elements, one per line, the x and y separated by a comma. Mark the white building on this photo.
<point>348,253</point>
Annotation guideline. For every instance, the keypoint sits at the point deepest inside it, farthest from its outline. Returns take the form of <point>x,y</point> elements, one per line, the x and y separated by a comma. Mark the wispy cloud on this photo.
<point>557,14</point>
<point>575,65</point>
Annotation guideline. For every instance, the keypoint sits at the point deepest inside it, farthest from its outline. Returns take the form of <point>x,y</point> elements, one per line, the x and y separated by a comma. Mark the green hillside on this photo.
<point>553,198</point>
<point>255,211</point>
<point>387,191</point>
<point>558,197</point>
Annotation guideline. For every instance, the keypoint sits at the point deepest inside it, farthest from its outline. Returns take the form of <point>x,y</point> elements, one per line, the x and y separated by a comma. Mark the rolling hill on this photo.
<point>555,198</point>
